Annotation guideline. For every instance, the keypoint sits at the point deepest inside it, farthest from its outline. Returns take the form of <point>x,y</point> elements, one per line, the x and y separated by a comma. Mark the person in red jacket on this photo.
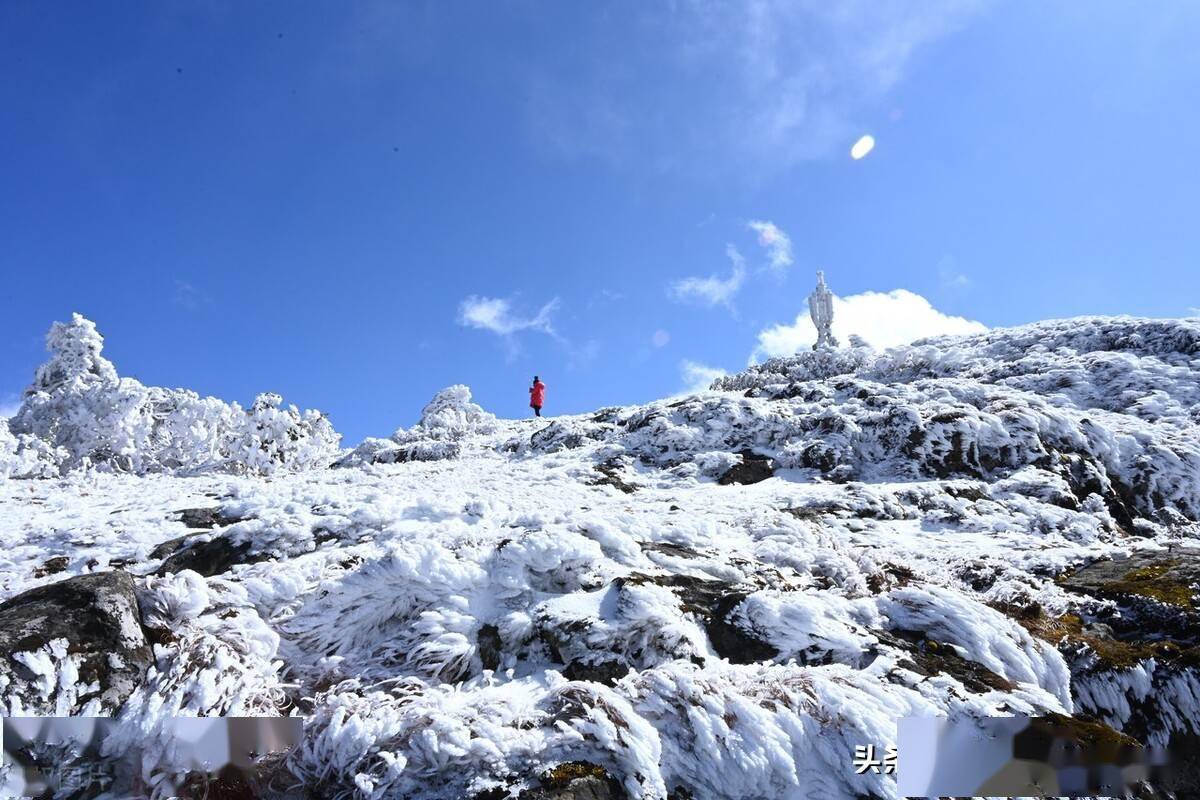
<point>537,395</point>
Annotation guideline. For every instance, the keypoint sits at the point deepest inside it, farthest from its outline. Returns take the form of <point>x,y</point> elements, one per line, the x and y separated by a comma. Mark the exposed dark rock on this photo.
<point>559,436</point>
<point>213,557</point>
<point>607,672</point>
<point>219,787</point>
<point>206,518</point>
<point>668,549</point>
<point>754,468</point>
<point>889,576</point>
<point>929,658</point>
<point>490,645</point>
<point>52,566</point>
<point>595,667</point>
<point>713,602</point>
<point>611,472</point>
<point>642,418</point>
<point>576,780</point>
<point>1128,648</point>
<point>495,793</point>
<point>1087,477</point>
<point>819,456</point>
<point>1183,779</point>
<point>98,617</point>
<point>1157,597</point>
<point>959,457</point>
<point>170,546</point>
<point>970,492</point>
<point>731,641</point>
<point>608,414</point>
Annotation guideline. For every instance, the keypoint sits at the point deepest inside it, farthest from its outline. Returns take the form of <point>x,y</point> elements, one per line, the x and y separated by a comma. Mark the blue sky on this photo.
<point>358,204</point>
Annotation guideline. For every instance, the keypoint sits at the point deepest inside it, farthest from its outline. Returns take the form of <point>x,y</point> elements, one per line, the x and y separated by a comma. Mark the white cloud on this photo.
<point>660,338</point>
<point>954,280</point>
<point>188,296</point>
<point>8,409</point>
<point>862,147</point>
<point>883,319</point>
<point>713,290</point>
<point>1195,311</point>
<point>777,243</point>
<point>697,376</point>
<point>949,275</point>
<point>495,314</point>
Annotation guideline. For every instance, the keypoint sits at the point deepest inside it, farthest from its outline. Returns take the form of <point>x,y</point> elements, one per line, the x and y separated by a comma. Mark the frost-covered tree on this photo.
<point>452,415</point>
<point>449,418</point>
<point>79,413</point>
<point>271,436</point>
<point>74,357</point>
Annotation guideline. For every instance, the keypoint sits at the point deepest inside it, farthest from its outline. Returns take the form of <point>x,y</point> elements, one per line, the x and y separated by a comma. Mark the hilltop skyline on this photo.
<point>624,201</point>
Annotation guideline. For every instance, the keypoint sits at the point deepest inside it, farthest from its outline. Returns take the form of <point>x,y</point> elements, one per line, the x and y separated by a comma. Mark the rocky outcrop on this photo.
<point>576,780</point>
<point>928,657</point>
<point>195,551</point>
<point>212,557</point>
<point>754,468</point>
<point>610,475</point>
<point>1170,577</point>
<point>1133,641</point>
<point>88,625</point>
<point>52,566</point>
<point>489,646</point>
<point>206,518</point>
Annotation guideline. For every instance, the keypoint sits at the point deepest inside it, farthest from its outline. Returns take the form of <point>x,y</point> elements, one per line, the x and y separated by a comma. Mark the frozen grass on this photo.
<point>424,604</point>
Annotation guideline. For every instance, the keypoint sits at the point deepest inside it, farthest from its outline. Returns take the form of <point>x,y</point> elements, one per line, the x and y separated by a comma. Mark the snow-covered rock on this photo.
<point>715,596</point>
<point>75,647</point>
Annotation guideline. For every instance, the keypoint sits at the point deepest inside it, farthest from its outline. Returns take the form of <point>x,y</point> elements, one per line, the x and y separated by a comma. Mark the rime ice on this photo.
<point>473,600</point>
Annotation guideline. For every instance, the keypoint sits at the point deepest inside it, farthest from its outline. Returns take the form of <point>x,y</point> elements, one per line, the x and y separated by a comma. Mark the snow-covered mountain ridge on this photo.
<point>711,596</point>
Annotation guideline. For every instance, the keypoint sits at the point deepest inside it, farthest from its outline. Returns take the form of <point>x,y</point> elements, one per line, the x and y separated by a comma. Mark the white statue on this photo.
<point>820,307</point>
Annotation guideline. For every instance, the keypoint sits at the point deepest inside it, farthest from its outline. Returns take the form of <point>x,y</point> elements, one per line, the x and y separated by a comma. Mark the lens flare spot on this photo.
<point>863,146</point>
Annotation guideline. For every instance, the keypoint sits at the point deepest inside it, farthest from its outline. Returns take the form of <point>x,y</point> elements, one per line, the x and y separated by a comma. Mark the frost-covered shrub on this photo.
<point>643,628</point>
<point>759,731</point>
<point>402,738</point>
<point>979,407</point>
<point>561,434</point>
<point>405,613</point>
<point>406,739</point>
<point>79,413</point>
<point>270,436</point>
<point>806,365</point>
<point>448,419</point>
<point>452,415</point>
<point>26,456</point>
<point>1147,368</point>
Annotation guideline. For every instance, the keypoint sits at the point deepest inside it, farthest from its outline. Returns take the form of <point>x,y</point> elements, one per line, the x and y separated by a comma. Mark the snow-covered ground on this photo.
<point>460,607</point>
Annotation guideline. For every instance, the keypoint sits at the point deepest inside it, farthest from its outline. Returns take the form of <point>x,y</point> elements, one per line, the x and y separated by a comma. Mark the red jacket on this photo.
<point>537,394</point>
